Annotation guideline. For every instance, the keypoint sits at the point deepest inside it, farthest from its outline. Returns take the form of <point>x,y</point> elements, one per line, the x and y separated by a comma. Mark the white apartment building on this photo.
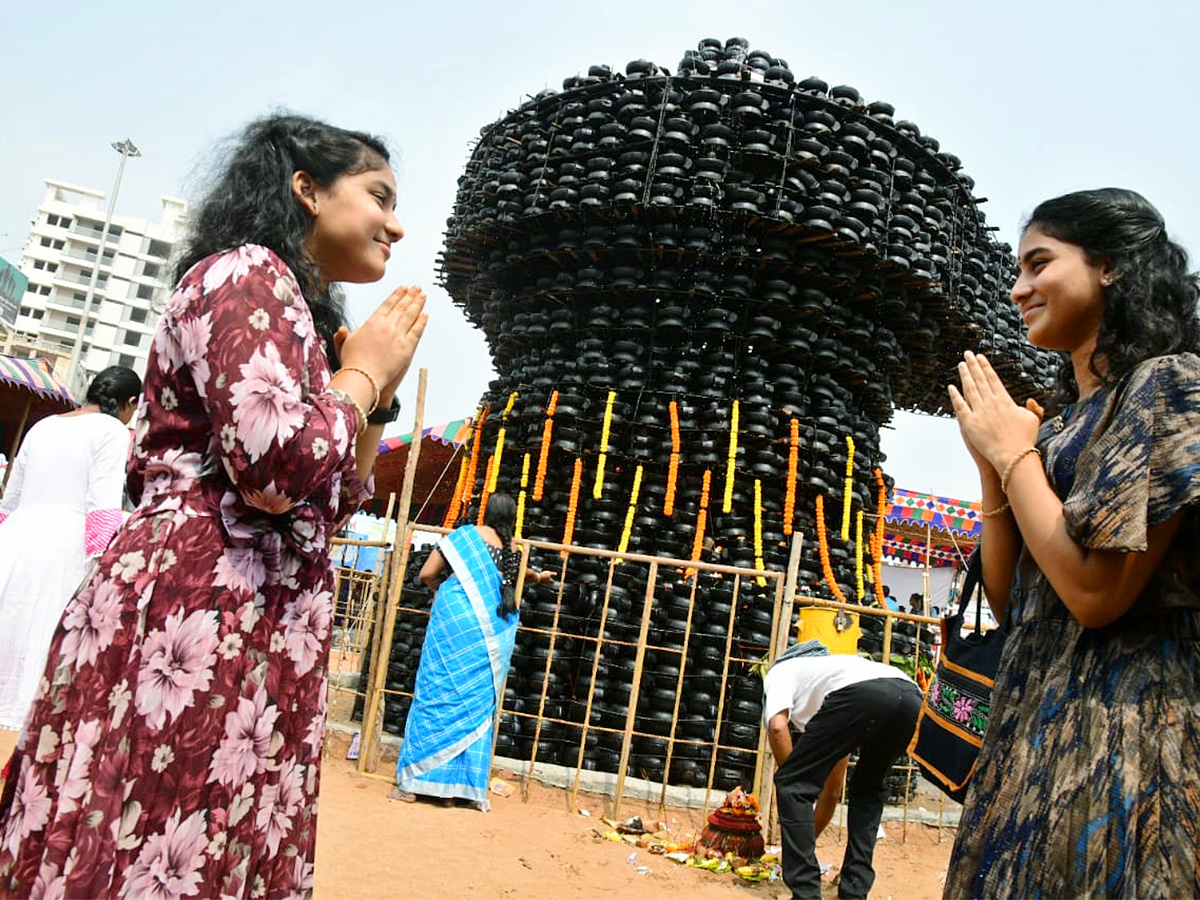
<point>58,259</point>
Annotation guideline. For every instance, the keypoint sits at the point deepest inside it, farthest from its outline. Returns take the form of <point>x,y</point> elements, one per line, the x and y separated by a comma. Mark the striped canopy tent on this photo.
<point>437,466</point>
<point>920,528</point>
<point>28,392</point>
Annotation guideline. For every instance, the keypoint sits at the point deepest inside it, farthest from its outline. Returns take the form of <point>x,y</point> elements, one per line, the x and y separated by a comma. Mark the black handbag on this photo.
<point>954,713</point>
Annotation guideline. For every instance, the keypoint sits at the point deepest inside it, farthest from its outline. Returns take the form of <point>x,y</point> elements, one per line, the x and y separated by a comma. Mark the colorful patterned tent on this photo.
<point>437,468</point>
<point>28,392</point>
<point>920,525</point>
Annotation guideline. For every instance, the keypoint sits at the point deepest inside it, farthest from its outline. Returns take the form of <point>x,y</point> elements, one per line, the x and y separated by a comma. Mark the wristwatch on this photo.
<point>385,414</point>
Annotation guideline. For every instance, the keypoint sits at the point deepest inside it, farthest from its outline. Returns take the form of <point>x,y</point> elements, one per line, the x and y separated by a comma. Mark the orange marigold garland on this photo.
<point>486,492</point>
<point>572,503</point>
<point>789,497</point>
<point>608,408</point>
<point>727,504</point>
<point>633,498</point>
<point>476,439</point>
<point>673,465</point>
<point>877,548</point>
<point>701,521</point>
<point>848,490</point>
<point>823,546</point>
<point>456,500</point>
<point>521,496</point>
<point>758,550</point>
<point>539,480</point>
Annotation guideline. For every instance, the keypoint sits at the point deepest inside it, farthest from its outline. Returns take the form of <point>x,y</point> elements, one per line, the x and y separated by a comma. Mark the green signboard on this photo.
<point>12,289</point>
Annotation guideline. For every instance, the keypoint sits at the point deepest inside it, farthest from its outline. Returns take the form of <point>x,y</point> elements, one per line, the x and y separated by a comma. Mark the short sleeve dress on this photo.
<point>174,746</point>
<point>1088,779</point>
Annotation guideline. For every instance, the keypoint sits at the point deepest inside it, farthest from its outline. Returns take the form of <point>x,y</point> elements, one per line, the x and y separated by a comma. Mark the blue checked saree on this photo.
<point>468,647</point>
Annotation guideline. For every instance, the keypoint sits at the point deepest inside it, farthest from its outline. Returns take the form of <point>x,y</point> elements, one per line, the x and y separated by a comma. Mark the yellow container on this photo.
<point>823,624</point>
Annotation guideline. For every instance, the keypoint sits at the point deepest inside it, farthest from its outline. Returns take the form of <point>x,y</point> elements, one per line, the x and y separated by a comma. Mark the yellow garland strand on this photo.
<point>858,555</point>
<point>673,465</point>
<point>823,547</point>
<point>539,481</point>
<point>628,529</point>
<point>608,407</point>
<point>848,491</point>
<point>572,504</point>
<point>727,504</point>
<point>497,456</point>
<point>789,497</point>
<point>758,547</point>
<point>521,496</point>
<point>877,550</point>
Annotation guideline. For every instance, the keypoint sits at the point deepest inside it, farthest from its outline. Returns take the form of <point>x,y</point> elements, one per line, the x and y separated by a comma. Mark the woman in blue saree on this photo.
<point>468,646</point>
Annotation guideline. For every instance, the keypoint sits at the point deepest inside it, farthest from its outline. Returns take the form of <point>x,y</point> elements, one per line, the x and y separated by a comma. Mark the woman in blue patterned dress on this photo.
<point>1086,784</point>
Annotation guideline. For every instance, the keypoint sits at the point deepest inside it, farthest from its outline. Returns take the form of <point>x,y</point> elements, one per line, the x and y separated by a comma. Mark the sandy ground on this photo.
<point>370,846</point>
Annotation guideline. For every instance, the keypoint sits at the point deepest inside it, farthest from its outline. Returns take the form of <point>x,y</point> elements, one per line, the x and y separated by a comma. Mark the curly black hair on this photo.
<point>1150,308</point>
<point>501,516</point>
<point>252,201</point>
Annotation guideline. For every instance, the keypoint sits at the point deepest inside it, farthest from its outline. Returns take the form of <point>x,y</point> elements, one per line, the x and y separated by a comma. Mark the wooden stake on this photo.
<point>368,759</point>
<point>635,687</point>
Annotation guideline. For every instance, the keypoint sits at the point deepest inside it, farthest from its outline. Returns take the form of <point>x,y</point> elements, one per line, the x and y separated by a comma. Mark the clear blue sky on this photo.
<point>1035,98</point>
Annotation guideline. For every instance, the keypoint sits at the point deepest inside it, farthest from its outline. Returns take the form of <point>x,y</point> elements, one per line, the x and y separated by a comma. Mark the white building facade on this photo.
<point>135,276</point>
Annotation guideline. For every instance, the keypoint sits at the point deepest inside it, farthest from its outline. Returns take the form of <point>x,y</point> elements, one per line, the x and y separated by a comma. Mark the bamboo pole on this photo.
<point>12,453</point>
<point>687,636</point>
<point>635,686</point>
<point>712,763</point>
<point>587,713</point>
<point>537,731</point>
<point>368,760</point>
<point>766,794</point>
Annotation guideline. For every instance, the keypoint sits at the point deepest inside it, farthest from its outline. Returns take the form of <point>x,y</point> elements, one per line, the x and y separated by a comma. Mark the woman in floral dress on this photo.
<point>174,747</point>
<point>1086,783</point>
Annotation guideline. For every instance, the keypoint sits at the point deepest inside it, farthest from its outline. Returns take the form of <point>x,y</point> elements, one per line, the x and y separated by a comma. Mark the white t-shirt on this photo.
<point>801,685</point>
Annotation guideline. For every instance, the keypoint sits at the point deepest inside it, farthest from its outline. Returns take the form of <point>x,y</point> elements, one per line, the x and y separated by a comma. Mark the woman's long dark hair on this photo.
<point>1150,308</point>
<point>252,201</point>
<point>501,516</point>
<point>113,387</point>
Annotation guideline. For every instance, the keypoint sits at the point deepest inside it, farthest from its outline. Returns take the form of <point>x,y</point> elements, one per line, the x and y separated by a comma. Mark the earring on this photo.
<point>1107,279</point>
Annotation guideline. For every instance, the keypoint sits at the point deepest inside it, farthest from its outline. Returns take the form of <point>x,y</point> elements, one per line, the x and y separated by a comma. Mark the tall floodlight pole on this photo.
<point>126,149</point>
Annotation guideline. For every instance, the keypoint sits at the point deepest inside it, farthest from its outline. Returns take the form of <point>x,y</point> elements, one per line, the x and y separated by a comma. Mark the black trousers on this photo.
<point>875,717</point>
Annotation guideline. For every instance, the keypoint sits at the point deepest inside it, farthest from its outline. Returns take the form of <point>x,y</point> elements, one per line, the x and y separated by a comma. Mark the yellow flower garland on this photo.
<point>633,497</point>
<point>877,549</point>
<point>758,547</point>
<point>858,555</point>
<point>727,504</point>
<point>598,487</point>
<point>521,496</point>
<point>496,457</point>
<point>848,491</point>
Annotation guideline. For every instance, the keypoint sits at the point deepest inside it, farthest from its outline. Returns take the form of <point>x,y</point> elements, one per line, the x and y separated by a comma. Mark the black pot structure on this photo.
<point>724,233</point>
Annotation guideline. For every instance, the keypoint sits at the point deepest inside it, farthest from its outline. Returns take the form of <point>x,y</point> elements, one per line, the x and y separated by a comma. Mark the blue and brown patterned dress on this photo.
<point>1089,777</point>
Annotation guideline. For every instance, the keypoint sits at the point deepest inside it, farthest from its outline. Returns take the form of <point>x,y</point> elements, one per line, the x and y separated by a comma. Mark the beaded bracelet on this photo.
<point>1021,454</point>
<point>374,385</point>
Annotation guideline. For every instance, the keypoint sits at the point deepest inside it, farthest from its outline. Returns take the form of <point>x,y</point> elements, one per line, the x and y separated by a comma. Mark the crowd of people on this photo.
<point>168,673</point>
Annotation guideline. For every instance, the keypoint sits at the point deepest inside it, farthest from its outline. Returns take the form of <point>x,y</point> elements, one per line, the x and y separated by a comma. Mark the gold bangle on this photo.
<point>358,410</point>
<point>1021,454</point>
<point>992,513</point>
<point>374,385</point>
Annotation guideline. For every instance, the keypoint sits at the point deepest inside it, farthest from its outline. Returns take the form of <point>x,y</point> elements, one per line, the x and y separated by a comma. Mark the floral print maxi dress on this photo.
<point>1087,780</point>
<point>174,746</point>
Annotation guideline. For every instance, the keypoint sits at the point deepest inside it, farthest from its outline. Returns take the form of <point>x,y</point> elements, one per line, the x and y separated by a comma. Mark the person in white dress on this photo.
<point>60,509</point>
